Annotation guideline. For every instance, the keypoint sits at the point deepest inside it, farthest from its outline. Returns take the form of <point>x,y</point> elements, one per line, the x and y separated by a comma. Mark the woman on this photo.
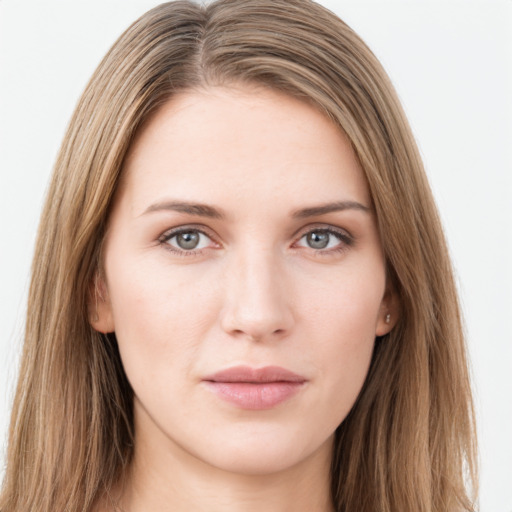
<point>241,296</point>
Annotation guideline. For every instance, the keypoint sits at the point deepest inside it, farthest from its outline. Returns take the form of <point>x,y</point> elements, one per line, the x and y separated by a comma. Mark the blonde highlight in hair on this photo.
<point>409,442</point>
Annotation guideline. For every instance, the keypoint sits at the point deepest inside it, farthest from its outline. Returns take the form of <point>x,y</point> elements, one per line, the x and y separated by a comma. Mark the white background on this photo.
<point>451,62</point>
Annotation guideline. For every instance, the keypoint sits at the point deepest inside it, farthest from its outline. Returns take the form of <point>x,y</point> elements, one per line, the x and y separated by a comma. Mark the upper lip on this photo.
<point>255,375</point>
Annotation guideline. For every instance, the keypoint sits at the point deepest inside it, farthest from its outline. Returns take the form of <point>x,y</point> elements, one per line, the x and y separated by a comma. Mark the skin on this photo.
<point>253,292</point>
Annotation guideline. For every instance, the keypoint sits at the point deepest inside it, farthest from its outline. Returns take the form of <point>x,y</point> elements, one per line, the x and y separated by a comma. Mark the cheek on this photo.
<point>345,305</point>
<point>343,324</point>
<point>156,319</point>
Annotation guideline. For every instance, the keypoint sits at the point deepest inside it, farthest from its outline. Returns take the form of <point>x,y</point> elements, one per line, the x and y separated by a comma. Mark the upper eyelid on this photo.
<point>322,227</point>
<point>169,233</point>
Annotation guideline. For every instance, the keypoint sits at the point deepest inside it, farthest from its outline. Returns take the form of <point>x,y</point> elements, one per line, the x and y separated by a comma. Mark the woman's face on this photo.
<point>244,279</point>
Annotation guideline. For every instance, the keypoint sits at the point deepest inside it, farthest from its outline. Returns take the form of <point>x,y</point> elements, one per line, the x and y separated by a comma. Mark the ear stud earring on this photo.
<point>388,318</point>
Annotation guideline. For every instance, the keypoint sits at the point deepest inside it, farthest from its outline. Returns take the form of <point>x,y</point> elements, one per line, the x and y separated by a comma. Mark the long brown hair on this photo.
<point>408,444</point>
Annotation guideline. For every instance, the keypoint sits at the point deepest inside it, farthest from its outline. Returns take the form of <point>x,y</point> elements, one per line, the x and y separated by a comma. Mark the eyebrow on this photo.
<point>323,209</point>
<point>199,209</point>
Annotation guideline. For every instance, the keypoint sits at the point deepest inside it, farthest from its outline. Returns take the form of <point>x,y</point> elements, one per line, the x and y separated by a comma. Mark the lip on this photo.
<point>255,388</point>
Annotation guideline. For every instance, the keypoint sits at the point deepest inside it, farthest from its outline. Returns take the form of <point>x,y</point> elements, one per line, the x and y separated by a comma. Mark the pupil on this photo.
<point>318,240</point>
<point>188,240</point>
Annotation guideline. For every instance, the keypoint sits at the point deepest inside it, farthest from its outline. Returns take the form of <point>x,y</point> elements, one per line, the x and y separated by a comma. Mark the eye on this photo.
<point>186,240</point>
<point>325,239</point>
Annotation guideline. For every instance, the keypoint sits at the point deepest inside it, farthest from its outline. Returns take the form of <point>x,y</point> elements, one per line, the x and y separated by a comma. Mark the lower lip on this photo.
<point>254,396</point>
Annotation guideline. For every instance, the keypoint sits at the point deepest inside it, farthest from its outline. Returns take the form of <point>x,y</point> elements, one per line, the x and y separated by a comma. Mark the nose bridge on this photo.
<point>256,303</point>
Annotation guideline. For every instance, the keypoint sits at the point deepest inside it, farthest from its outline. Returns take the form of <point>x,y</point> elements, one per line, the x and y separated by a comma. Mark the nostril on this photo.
<point>257,335</point>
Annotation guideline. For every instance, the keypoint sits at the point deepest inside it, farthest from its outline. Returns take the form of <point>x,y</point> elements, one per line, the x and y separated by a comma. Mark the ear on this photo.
<point>389,311</point>
<point>101,317</point>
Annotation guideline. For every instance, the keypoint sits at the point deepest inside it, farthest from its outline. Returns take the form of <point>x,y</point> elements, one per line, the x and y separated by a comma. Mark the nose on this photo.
<point>258,301</point>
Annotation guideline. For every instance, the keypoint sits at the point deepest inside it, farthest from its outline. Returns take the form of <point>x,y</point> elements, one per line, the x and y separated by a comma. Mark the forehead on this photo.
<point>219,144</point>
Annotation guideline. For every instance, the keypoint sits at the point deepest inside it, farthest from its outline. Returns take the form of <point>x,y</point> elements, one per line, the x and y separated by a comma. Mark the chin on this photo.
<point>261,454</point>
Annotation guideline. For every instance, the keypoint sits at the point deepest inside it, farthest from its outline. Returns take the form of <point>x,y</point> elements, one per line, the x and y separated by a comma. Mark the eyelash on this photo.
<point>346,240</point>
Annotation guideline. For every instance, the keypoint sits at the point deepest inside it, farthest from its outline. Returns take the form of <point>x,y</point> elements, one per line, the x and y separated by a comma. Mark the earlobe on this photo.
<point>385,324</point>
<point>100,307</point>
<point>388,314</point>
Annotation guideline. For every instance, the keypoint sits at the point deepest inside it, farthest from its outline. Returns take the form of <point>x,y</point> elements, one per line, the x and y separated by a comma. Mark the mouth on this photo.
<point>255,388</point>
